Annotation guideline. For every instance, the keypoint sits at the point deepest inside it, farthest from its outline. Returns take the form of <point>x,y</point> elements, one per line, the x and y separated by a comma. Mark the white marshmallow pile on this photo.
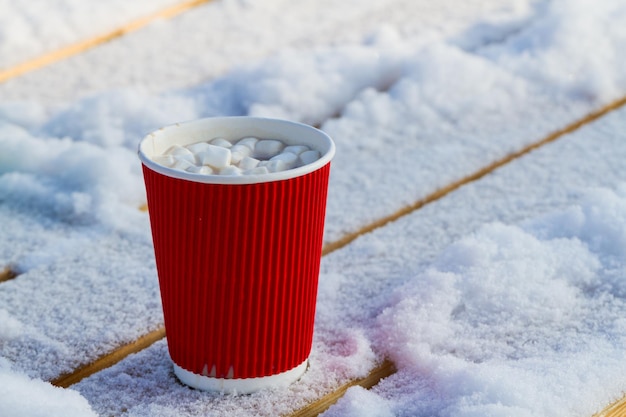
<point>246,156</point>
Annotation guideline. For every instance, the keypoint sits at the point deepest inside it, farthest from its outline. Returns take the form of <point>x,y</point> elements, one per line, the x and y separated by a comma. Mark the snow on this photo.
<point>31,29</point>
<point>528,306</point>
<point>25,397</point>
<point>509,305</point>
<point>503,298</point>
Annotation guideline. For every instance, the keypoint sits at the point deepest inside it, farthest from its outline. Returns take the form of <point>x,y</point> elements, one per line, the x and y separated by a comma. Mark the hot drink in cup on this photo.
<point>237,207</point>
<point>245,156</point>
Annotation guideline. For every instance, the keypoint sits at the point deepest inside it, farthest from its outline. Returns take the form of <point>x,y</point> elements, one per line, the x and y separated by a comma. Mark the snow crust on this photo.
<point>504,298</point>
<point>25,397</point>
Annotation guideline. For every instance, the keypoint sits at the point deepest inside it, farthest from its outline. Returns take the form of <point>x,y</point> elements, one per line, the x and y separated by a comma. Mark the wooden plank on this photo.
<point>7,274</point>
<point>118,354</point>
<point>387,368</point>
<point>79,47</point>
<point>442,192</point>
<point>384,370</point>
<point>617,409</point>
<point>109,359</point>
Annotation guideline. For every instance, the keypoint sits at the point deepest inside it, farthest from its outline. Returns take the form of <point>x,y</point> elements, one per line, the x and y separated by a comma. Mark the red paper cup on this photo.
<point>238,257</point>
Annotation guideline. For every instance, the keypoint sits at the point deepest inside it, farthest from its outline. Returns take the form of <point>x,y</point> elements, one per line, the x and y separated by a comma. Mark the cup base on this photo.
<point>240,385</point>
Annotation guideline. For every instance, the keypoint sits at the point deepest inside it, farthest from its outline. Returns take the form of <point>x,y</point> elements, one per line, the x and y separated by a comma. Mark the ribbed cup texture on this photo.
<point>238,269</point>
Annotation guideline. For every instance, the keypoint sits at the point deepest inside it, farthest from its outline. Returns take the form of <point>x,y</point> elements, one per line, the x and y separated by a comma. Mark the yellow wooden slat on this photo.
<point>384,370</point>
<point>109,359</point>
<point>82,46</point>
<point>7,274</point>
<point>442,192</point>
<point>617,409</point>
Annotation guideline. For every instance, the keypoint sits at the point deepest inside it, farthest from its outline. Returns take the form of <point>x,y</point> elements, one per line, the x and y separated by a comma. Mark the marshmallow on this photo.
<point>250,142</point>
<point>248,163</point>
<point>204,169</point>
<point>178,152</point>
<point>309,157</point>
<point>215,156</point>
<point>182,164</point>
<point>265,149</point>
<point>230,170</point>
<point>296,149</point>
<point>167,160</point>
<point>289,159</point>
<point>256,171</point>
<point>238,152</point>
<point>197,147</point>
<point>249,156</point>
<point>221,142</point>
<point>276,165</point>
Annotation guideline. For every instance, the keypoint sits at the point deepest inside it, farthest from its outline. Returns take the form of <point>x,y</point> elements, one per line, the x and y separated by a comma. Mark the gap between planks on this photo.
<point>109,359</point>
<point>322,404</point>
<point>82,46</point>
<point>7,274</point>
<point>617,409</point>
<point>442,192</point>
<point>386,368</point>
